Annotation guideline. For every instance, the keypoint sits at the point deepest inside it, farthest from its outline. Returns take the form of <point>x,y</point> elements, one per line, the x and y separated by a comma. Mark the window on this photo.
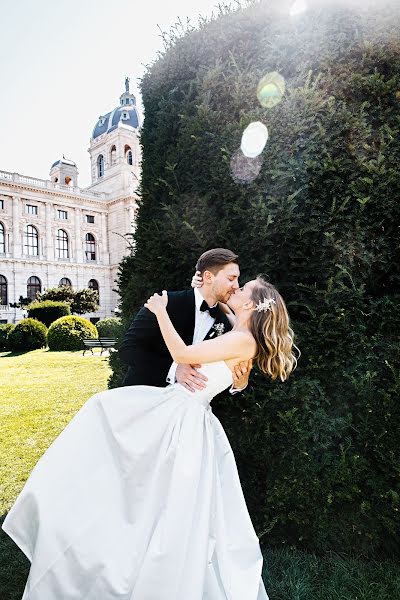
<point>89,218</point>
<point>65,281</point>
<point>113,155</point>
<point>1,204</point>
<point>100,165</point>
<point>2,239</point>
<point>62,214</point>
<point>90,247</point>
<point>129,157</point>
<point>31,241</point>
<point>126,100</point>
<point>62,244</point>
<point>34,286</point>
<point>94,285</point>
<point>31,209</point>
<point>3,290</point>
<point>125,116</point>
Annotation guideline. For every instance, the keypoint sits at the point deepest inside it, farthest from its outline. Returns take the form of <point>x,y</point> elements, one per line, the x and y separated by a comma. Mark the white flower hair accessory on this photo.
<point>265,305</point>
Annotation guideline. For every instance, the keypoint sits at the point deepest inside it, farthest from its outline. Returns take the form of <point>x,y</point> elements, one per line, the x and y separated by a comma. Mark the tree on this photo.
<point>81,301</point>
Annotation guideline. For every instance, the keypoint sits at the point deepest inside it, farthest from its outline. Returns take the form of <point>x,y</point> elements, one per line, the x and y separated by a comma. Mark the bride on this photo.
<point>139,497</point>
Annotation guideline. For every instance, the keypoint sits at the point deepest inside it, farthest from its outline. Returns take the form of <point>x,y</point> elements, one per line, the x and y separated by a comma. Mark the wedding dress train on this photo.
<point>139,498</point>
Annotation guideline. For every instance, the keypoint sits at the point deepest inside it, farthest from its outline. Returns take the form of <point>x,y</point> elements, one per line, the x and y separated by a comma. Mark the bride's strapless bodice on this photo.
<point>219,378</point>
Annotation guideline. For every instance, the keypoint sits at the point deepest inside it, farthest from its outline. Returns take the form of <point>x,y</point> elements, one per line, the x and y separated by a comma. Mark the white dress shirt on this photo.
<point>203,323</point>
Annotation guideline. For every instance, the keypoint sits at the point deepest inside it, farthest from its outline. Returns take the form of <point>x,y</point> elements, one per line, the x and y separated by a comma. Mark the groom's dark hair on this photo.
<point>214,260</point>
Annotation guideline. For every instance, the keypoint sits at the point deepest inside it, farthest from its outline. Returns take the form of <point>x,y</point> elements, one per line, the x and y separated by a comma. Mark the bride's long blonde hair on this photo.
<point>272,332</point>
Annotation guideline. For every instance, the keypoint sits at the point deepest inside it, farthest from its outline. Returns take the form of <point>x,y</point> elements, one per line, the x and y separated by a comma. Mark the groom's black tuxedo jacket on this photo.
<point>143,347</point>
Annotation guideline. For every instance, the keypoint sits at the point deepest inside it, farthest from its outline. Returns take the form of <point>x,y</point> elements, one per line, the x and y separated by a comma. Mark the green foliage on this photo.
<point>81,301</point>
<point>317,455</point>
<point>68,332</point>
<point>48,311</point>
<point>28,334</point>
<point>5,330</point>
<point>109,327</point>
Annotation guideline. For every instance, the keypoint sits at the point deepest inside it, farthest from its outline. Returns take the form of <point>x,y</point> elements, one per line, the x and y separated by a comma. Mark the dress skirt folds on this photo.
<point>139,498</point>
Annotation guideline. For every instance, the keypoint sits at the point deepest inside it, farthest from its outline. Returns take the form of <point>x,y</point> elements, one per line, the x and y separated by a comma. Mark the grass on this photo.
<point>40,391</point>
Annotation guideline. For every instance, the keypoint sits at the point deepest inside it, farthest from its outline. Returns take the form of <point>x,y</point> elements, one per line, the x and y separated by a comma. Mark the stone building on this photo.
<point>52,232</point>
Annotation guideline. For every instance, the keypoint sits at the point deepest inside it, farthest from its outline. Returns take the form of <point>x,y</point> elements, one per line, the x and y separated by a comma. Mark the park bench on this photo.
<point>103,343</point>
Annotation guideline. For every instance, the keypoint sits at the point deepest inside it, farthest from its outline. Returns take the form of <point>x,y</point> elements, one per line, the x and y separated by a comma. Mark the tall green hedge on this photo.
<point>318,455</point>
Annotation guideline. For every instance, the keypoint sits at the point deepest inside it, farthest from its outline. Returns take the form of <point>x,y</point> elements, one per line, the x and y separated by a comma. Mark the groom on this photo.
<point>196,316</point>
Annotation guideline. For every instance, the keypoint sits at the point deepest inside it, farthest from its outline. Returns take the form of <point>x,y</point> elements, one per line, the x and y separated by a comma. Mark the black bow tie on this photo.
<point>213,310</point>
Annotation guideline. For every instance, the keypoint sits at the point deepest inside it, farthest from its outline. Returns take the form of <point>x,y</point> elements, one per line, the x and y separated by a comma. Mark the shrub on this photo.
<point>109,327</point>
<point>48,311</point>
<point>5,331</point>
<point>28,334</point>
<point>68,332</point>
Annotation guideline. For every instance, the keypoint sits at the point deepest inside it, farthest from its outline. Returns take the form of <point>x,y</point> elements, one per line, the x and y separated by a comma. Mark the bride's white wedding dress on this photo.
<point>139,498</point>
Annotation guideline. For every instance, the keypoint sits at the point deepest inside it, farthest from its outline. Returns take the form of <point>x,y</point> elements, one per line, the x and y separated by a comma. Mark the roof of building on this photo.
<point>125,115</point>
<point>64,161</point>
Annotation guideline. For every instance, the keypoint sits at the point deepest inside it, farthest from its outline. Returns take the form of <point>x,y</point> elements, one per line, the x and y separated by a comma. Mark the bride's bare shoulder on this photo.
<point>245,341</point>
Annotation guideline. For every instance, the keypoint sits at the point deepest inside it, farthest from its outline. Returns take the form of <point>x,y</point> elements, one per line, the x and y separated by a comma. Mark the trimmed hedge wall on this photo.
<point>318,455</point>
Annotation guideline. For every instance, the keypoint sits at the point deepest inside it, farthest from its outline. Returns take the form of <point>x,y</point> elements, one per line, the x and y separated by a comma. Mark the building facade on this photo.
<point>52,232</point>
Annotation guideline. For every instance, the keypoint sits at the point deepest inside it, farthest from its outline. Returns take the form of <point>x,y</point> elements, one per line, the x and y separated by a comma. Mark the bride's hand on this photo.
<point>157,302</point>
<point>197,280</point>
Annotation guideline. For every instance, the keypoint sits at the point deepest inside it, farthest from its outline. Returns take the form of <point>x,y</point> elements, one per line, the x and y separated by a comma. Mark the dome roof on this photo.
<point>63,161</point>
<point>122,116</point>
<point>125,115</point>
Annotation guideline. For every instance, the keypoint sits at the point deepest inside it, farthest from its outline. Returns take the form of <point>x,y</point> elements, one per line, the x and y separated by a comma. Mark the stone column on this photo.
<point>49,248</point>
<point>104,239</point>
<point>78,236</point>
<point>16,238</point>
<point>131,211</point>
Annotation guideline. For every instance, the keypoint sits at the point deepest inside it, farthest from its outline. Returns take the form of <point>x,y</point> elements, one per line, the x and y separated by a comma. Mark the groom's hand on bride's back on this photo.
<point>190,378</point>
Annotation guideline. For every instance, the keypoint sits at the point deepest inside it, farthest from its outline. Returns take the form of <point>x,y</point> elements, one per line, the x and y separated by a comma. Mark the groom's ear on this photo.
<point>207,277</point>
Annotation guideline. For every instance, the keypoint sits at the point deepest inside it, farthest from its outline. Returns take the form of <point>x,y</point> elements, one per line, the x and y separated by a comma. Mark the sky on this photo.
<point>63,63</point>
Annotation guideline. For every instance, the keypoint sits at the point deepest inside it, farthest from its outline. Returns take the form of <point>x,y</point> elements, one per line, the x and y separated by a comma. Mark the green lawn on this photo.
<point>40,391</point>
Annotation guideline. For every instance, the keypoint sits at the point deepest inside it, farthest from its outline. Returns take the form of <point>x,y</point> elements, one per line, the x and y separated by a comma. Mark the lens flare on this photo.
<point>254,138</point>
<point>270,89</point>
<point>243,168</point>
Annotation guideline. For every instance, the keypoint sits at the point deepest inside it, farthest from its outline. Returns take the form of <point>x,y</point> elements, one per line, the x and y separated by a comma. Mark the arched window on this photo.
<point>68,180</point>
<point>31,241</point>
<point>34,286</point>
<point>2,239</point>
<point>128,154</point>
<point>3,290</point>
<point>90,247</point>
<point>62,244</point>
<point>113,155</point>
<point>94,285</point>
<point>100,165</point>
<point>65,281</point>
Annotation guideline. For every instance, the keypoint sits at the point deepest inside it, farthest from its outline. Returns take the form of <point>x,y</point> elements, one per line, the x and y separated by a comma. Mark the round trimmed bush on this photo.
<point>28,334</point>
<point>110,327</point>
<point>69,332</point>
<point>5,330</point>
<point>48,311</point>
